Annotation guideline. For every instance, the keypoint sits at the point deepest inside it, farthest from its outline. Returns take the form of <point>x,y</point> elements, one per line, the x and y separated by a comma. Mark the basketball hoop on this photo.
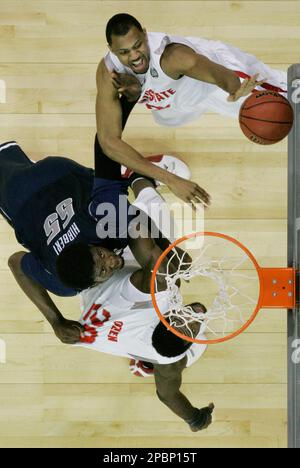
<point>226,278</point>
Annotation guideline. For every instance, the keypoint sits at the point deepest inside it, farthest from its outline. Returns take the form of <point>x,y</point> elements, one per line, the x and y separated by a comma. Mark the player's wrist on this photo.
<point>56,319</point>
<point>198,420</point>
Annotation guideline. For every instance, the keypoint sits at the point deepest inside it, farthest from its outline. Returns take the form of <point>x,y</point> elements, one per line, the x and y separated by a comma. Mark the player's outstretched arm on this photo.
<point>179,59</point>
<point>168,378</point>
<point>68,331</point>
<point>109,131</point>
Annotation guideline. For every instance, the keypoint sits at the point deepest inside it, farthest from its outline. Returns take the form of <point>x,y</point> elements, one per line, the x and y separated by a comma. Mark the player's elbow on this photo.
<point>14,261</point>
<point>109,144</point>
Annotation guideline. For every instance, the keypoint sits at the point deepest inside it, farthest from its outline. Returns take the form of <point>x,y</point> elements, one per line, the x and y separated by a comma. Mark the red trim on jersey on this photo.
<point>267,86</point>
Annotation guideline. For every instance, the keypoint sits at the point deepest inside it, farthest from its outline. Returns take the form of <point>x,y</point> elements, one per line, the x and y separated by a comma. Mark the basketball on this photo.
<point>266,117</point>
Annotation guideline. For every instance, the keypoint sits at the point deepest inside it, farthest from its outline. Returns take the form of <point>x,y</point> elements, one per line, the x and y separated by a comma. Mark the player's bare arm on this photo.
<point>68,331</point>
<point>179,59</point>
<point>109,131</point>
<point>168,379</point>
<point>147,252</point>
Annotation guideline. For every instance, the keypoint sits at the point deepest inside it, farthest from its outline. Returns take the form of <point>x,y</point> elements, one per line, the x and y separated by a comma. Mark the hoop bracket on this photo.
<point>278,288</point>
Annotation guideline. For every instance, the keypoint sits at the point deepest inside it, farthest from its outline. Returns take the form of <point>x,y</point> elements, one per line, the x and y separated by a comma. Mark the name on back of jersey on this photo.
<point>66,238</point>
<point>58,221</point>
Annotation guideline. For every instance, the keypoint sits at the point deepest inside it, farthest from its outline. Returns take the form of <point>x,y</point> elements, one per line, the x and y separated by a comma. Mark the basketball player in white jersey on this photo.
<point>119,318</point>
<point>178,79</point>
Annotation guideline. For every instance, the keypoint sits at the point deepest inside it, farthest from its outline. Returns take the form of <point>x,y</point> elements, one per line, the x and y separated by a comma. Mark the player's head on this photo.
<point>167,343</point>
<point>81,266</point>
<point>128,41</point>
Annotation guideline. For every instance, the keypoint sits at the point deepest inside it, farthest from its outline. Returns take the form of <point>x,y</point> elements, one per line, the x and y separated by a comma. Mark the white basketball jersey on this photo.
<point>119,319</point>
<point>176,102</point>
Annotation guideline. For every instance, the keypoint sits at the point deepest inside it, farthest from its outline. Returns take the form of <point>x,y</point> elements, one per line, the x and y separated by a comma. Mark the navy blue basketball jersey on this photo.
<point>59,212</point>
<point>53,203</point>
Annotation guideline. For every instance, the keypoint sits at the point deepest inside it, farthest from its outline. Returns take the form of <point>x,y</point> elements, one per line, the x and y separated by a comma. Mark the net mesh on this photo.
<point>228,287</point>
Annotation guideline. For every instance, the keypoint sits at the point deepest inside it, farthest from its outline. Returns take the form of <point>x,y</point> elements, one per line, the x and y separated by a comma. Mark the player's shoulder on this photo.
<point>102,70</point>
<point>177,57</point>
<point>175,50</point>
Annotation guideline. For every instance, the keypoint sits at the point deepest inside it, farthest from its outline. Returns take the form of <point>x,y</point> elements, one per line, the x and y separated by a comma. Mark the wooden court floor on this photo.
<point>54,395</point>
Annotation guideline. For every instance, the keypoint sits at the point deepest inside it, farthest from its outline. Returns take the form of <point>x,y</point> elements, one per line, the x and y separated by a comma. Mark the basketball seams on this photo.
<point>265,120</point>
<point>264,113</point>
<point>257,136</point>
<point>266,102</point>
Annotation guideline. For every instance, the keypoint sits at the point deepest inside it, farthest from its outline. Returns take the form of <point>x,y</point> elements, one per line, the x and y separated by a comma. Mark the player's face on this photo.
<point>106,263</point>
<point>132,50</point>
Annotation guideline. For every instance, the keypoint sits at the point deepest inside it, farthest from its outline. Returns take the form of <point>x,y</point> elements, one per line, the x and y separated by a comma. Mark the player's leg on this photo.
<point>152,203</point>
<point>245,65</point>
<point>105,167</point>
<point>13,161</point>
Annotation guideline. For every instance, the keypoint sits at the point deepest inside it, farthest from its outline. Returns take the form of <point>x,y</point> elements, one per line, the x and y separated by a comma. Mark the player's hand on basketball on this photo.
<point>189,192</point>
<point>203,419</point>
<point>127,85</point>
<point>68,331</point>
<point>246,88</point>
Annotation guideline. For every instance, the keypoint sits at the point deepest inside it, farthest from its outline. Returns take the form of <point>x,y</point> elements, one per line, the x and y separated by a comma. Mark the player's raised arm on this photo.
<point>68,331</point>
<point>179,59</point>
<point>168,379</point>
<point>109,132</point>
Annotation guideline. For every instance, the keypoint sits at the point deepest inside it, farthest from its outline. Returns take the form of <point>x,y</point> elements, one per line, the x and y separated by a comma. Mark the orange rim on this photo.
<point>212,234</point>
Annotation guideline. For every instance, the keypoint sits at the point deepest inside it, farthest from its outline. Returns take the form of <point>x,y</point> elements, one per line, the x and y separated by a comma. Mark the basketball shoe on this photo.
<point>141,368</point>
<point>164,161</point>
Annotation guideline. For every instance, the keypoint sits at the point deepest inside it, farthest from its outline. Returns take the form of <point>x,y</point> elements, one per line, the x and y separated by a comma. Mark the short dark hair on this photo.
<point>120,24</point>
<point>166,343</point>
<point>75,266</point>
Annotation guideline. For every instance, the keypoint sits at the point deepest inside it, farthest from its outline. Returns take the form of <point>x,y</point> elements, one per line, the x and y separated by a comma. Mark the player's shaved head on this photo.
<point>167,343</point>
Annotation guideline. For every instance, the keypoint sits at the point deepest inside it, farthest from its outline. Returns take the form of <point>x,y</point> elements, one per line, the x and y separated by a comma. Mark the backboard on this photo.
<point>294,259</point>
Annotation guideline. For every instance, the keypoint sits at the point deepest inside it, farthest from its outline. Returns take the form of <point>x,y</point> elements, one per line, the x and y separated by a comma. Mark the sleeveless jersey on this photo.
<point>119,319</point>
<point>176,102</point>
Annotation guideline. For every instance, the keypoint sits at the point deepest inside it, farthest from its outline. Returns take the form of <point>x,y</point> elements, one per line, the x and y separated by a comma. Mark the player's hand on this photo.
<point>189,192</point>
<point>246,88</point>
<point>127,85</point>
<point>203,419</point>
<point>68,331</point>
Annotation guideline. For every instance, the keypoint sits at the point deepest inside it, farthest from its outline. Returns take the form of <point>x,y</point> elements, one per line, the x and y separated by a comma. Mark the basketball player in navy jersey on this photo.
<point>52,206</point>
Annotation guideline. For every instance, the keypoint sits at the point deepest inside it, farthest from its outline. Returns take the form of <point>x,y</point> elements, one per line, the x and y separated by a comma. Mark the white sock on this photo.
<point>155,206</point>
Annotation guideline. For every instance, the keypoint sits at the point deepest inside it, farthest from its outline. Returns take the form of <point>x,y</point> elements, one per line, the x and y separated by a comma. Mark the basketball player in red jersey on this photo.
<point>119,319</point>
<point>178,79</point>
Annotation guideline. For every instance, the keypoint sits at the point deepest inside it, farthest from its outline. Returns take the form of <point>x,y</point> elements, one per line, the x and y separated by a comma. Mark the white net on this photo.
<point>227,285</point>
